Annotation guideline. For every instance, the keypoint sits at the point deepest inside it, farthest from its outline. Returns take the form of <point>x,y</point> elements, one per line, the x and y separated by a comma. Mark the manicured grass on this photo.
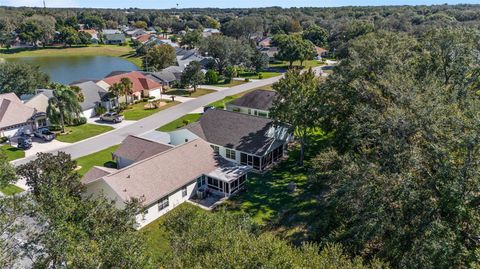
<point>253,75</point>
<point>270,203</point>
<point>178,123</point>
<point>13,153</point>
<point>11,189</point>
<point>81,132</point>
<point>232,83</point>
<point>137,111</point>
<point>100,158</point>
<point>185,93</point>
<point>126,52</point>
<point>306,64</point>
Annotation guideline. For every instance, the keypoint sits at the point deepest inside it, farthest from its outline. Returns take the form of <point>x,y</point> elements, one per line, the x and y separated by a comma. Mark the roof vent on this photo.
<point>124,190</point>
<point>128,176</point>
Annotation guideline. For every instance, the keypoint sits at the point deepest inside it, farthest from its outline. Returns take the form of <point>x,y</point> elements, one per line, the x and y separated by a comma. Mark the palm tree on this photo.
<point>64,105</point>
<point>127,86</point>
<point>117,90</point>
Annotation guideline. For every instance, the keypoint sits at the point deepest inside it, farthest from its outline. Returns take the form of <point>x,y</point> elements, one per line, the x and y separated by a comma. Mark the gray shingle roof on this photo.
<point>250,134</point>
<point>13,111</point>
<point>92,94</point>
<point>258,99</point>
<point>136,148</point>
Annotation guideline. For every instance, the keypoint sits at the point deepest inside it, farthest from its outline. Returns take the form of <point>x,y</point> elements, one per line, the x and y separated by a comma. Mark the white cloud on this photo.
<point>39,3</point>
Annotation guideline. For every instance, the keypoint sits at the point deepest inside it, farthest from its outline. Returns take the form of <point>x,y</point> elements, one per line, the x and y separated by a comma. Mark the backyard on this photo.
<point>137,111</point>
<point>77,133</point>
<point>180,122</point>
<point>100,158</point>
<point>12,153</point>
<point>199,92</point>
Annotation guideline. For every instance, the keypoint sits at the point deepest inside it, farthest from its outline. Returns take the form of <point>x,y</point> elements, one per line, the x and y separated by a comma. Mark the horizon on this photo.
<point>189,4</point>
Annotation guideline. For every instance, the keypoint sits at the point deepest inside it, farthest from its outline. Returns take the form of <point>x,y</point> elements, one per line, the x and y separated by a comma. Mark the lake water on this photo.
<point>74,68</point>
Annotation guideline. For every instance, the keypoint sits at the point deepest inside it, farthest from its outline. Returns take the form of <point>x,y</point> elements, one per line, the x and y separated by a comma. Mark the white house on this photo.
<point>244,139</point>
<point>257,103</point>
<point>164,181</point>
<point>17,118</point>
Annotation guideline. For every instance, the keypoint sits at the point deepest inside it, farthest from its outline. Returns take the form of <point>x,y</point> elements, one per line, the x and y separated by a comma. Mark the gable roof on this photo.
<point>13,111</point>
<point>139,80</point>
<point>136,148</point>
<point>92,94</point>
<point>96,172</point>
<point>257,99</point>
<point>144,38</point>
<point>246,133</point>
<point>40,100</point>
<point>166,172</point>
<point>114,36</point>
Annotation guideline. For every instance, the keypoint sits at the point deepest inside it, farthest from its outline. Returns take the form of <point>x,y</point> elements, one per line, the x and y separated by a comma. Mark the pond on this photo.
<point>67,69</point>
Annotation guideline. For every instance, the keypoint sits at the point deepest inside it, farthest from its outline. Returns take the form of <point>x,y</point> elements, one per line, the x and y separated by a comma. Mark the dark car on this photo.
<point>44,134</point>
<point>205,108</point>
<point>112,117</point>
<point>24,142</point>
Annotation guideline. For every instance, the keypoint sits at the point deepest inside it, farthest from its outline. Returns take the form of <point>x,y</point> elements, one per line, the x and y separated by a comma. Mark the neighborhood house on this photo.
<point>134,149</point>
<point>257,103</point>
<point>17,118</point>
<point>143,87</point>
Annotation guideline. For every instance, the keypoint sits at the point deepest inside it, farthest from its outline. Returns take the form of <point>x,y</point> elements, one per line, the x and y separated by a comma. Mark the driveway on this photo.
<point>152,122</point>
<point>38,145</point>
<point>119,125</point>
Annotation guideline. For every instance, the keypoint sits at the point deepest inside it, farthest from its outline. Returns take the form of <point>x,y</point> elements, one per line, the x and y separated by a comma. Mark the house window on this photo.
<point>200,181</point>
<point>216,149</point>
<point>162,204</point>
<point>230,154</point>
<point>184,191</point>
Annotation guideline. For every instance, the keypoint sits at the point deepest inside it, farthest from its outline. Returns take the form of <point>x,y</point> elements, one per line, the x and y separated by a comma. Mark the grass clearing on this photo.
<point>100,158</point>
<point>137,111</point>
<point>199,92</point>
<point>125,52</point>
<point>178,123</point>
<point>11,189</point>
<point>12,153</point>
<point>82,132</point>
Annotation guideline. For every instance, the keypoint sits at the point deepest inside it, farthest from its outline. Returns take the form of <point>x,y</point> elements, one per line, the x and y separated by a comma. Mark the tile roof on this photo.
<point>139,80</point>
<point>258,99</point>
<point>135,148</point>
<point>13,111</point>
<point>246,133</point>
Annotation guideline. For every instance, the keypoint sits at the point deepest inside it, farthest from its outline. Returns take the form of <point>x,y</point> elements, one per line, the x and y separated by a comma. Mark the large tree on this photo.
<point>317,35</point>
<point>193,75</point>
<point>159,57</point>
<point>297,104</point>
<point>21,78</point>
<point>402,172</point>
<point>191,39</point>
<point>294,48</point>
<point>7,172</point>
<point>64,107</point>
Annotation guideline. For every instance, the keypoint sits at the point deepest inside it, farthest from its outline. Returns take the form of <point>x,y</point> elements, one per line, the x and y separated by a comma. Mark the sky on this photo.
<point>164,4</point>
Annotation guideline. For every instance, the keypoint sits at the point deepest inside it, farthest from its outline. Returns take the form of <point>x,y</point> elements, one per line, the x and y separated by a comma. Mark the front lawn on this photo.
<point>232,83</point>
<point>81,132</point>
<point>283,66</point>
<point>100,158</point>
<point>11,189</point>
<point>199,92</point>
<point>137,111</point>
<point>178,123</point>
<point>260,75</point>
<point>12,153</point>
<point>270,203</point>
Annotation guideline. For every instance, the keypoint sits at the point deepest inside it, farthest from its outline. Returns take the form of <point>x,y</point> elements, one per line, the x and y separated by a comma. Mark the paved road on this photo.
<point>150,123</point>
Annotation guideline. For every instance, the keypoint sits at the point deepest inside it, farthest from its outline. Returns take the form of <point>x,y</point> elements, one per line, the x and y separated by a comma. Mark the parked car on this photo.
<point>112,117</point>
<point>44,134</point>
<point>205,108</point>
<point>24,142</point>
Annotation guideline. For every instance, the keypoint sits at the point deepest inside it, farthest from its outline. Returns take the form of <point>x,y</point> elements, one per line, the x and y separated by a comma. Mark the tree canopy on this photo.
<point>21,78</point>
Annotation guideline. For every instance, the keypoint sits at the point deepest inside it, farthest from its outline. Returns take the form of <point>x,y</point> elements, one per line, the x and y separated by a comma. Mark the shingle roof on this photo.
<point>250,134</point>
<point>164,173</point>
<point>39,101</point>
<point>139,80</point>
<point>136,148</point>
<point>13,111</point>
<point>95,173</point>
<point>92,94</point>
<point>257,99</point>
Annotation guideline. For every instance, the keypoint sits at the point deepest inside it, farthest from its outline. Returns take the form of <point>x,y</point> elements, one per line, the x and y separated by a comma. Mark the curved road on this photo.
<point>150,123</point>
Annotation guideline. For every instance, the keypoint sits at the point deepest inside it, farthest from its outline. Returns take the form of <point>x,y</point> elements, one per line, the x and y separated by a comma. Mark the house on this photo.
<point>161,41</point>
<point>114,39</point>
<point>257,103</point>
<point>111,31</point>
<point>136,32</point>
<point>39,101</point>
<point>17,118</point>
<point>321,52</point>
<point>185,57</point>
<point>167,179</point>
<point>143,86</point>
<point>144,38</point>
<point>94,96</point>
<point>167,77</point>
<point>248,140</point>
<point>93,33</point>
<point>134,149</point>
<point>208,32</point>
<point>271,52</point>
<point>265,43</point>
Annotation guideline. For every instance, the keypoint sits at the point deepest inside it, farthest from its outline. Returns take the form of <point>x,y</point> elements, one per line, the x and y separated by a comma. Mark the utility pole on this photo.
<point>44,8</point>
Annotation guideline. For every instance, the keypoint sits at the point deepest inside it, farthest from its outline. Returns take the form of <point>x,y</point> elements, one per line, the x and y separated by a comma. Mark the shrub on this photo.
<point>247,80</point>
<point>260,76</point>
<point>151,97</point>
<point>79,121</point>
<point>145,99</point>
<point>186,122</point>
<point>3,139</point>
<point>55,128</point>
<point>211,77</point>
<point>100,110</point>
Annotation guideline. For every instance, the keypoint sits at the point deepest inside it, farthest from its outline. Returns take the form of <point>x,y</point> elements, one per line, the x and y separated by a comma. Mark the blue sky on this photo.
<point>224,3</point>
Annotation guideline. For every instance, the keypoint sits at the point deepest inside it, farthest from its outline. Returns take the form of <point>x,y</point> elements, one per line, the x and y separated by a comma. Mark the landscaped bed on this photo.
<point>77,133</point>
<point>137,111</point>
<point>11,189</point>
<point>179,123</point>
<point>193,94</point>
<point>100,158</point>
<point>12,153</point>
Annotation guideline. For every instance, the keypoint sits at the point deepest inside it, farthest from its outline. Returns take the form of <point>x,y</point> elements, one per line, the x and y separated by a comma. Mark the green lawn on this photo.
<point>306,64</point>
<point>199,92</point>
<point>11,189</point>
<point>178,123</point>
<point>138,111</point>
<point>100,158</point>
<point>13,153</point>
<point>253,75</point>
<point>82,132</point>
<point>126,52</point>
<point>271,204</point>
<point>232,83</point>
